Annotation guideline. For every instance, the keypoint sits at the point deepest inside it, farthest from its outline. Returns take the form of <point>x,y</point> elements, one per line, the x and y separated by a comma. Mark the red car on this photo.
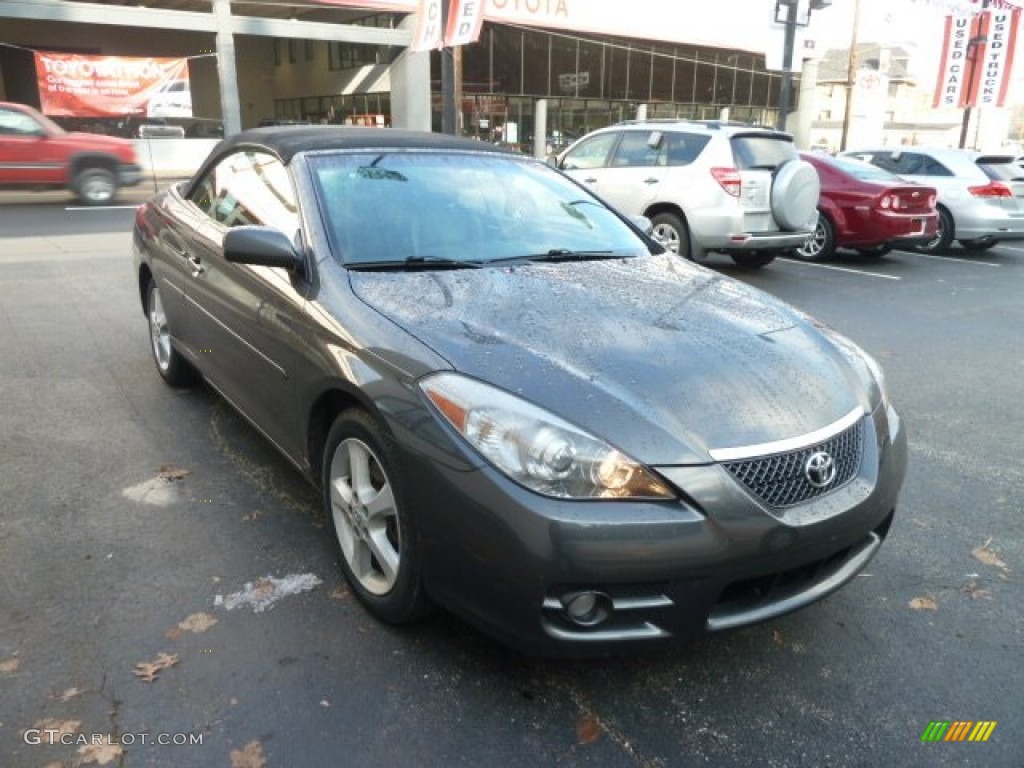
<point>36,153</point>
<point>866,208</point>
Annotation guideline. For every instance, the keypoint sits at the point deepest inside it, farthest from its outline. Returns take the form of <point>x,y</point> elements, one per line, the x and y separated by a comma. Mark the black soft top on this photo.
<point>288,141</point>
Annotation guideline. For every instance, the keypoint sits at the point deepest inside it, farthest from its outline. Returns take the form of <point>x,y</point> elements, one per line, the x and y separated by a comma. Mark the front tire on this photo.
<point>821,246</point>
<point>943,237</point>
<point>95,186</point>
<point>171,366</point>
<point>671,231</point>
<point>366,500</point>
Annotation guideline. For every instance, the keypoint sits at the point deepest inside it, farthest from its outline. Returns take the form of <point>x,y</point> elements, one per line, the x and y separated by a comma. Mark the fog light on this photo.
<point>587,609</point>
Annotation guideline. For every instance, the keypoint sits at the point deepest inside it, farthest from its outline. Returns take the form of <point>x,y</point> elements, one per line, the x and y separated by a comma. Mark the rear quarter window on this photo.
<point>683,148</point>
<point>768,152</point>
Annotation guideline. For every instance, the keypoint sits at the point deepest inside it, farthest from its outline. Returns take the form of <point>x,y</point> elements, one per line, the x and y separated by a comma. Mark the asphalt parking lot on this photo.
<point>166,576</point>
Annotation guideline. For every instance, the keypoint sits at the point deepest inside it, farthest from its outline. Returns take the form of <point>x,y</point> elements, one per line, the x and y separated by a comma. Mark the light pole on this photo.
<point>972,63</point>
<point>791,18</point>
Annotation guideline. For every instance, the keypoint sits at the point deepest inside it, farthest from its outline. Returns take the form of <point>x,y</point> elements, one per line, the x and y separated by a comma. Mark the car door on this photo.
<point>587,160</point>
<point>636,173</point>
<point>242,319</point>
<point>24,151</point>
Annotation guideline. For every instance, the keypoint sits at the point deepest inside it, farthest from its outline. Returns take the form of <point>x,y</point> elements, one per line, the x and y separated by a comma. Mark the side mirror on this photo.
<point>261,247</point>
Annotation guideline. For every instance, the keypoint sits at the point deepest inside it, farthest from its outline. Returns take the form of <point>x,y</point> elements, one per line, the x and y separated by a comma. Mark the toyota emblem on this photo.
<point>820,469</point>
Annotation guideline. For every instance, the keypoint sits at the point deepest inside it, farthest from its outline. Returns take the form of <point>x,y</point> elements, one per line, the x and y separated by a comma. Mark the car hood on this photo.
<point>663,359</point>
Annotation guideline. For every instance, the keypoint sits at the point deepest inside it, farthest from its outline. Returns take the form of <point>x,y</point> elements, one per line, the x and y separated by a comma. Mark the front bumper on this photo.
<point>511,561</point>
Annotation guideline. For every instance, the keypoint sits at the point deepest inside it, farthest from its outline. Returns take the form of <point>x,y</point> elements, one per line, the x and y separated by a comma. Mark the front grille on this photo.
<point>779,480</point>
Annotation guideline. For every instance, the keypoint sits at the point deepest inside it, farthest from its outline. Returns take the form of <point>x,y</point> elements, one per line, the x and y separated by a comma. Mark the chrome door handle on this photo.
<point>651,180</point>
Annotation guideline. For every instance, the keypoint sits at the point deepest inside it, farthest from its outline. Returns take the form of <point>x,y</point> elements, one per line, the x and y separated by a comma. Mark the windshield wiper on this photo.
<point>561,254</point>
<point>565,254</point>
<point>414,262</point>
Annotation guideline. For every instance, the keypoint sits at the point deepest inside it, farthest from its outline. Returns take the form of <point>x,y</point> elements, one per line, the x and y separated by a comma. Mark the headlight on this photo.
<point>536,448</point>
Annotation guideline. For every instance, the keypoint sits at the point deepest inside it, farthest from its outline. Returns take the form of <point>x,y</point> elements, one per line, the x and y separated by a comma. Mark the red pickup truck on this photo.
<point>36,153</point>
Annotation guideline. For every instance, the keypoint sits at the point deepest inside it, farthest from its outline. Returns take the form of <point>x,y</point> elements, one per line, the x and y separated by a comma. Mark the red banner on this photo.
<point>977,59</point>
<point>71,85</point>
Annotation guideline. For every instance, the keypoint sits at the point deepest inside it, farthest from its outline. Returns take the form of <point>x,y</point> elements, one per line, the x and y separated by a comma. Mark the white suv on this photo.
<point>705,186</point>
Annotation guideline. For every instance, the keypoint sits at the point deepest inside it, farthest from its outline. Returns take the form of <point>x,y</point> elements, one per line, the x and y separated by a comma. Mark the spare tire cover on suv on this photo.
<point>795,189</point>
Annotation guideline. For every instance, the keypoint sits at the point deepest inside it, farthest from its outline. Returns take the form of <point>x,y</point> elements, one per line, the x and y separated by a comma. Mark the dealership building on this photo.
<point>578,64</point>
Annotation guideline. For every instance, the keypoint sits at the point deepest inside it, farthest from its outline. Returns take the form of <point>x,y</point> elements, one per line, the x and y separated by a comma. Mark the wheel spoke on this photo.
<point>384,553</point>
<point>359,468</point>
<point>381,506</point>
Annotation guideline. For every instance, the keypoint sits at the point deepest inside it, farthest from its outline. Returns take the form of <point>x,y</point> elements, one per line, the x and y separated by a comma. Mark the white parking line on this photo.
<point>1011,248</point>
<point>952,258</point>
<point>842,269</point>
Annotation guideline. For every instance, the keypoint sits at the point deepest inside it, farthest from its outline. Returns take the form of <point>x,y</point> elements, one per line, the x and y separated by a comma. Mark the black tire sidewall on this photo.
<point>946,222</point>
<point>406,601</point>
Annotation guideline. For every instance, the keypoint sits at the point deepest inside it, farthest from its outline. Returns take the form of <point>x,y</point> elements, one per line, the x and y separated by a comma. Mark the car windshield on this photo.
<point>429,209</point>
<point>862,170</point>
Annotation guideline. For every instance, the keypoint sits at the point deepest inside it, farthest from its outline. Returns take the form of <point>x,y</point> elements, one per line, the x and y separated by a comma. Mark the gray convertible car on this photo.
<point>516,403</point>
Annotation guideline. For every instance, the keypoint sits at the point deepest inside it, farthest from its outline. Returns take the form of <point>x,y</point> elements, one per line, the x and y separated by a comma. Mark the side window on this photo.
<point>932,167</point>
<point>909,164</point>
<point>591,153</point>
<point>15,123</point>
<point>683,148</point>
<point>635,150</point>
<point>249,188</point>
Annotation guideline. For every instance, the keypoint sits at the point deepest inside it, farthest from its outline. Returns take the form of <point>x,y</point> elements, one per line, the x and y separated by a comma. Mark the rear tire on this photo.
<point>671,231</point>
<point>172,367</point>
<point>943,237</point>
<point>95,186</point>
<point>821,246</point>
<point>981,244</point>
<point>752,260</point>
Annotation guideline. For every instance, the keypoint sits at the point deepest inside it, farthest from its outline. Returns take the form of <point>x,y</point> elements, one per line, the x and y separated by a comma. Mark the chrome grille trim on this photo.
<point>789,443</point>
<point>780,480</point>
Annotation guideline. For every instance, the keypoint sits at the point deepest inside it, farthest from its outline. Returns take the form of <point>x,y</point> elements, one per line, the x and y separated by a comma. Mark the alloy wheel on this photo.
<point>365,516</point>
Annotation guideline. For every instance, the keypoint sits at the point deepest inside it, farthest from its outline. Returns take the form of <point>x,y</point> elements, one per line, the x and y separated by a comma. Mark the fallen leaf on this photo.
<point>197,622</point>
<point>11,665</point>
<point>588,729</point>
<point>256,515</point>
<point>250,756</point>
<point>57,764</point>
<point>975,592</point>
<point>341,593</point>
<point>174,633</point>
<point>149,671</point>
<point>101,754</point>
<point>70,693</point>
<point>988,557</point>
<point>171,473</point>
<point>778,639</point>
<point>924,604</point>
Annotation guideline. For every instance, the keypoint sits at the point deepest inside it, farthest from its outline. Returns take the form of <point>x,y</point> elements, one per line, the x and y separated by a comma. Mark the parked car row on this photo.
<point>710,186</point>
